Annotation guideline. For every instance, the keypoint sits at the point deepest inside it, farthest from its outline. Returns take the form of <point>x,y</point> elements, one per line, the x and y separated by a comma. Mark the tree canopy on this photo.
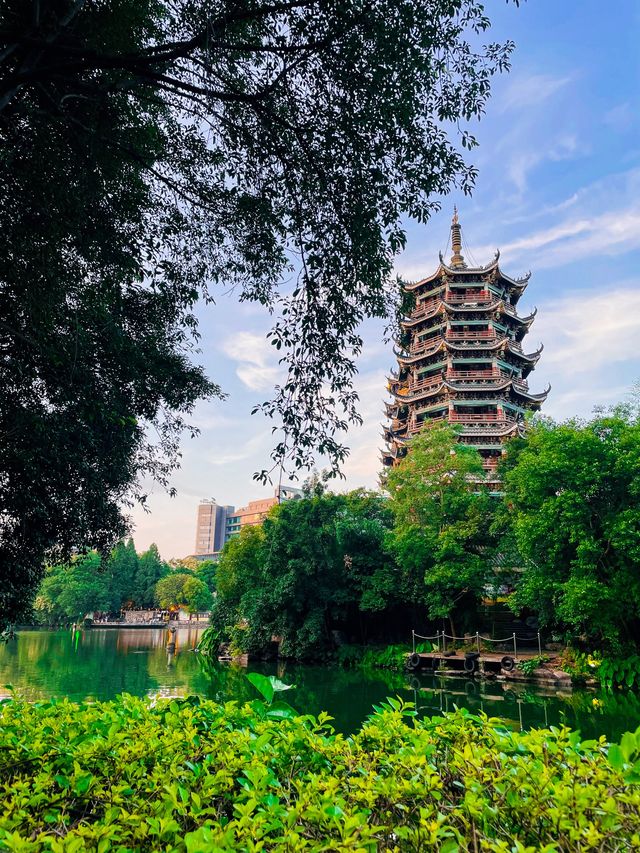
<point>441,540</point>
<point>182,589</point>
<point>90,582</point>
<point>155,151</point>
<point>317,566</point>
<point>572,502</point>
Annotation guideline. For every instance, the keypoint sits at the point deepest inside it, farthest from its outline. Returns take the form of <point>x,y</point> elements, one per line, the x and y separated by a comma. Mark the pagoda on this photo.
<point>460,359</point>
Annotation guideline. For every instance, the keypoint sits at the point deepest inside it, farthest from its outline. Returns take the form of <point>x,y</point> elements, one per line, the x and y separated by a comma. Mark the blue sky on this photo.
<point>558,192</point>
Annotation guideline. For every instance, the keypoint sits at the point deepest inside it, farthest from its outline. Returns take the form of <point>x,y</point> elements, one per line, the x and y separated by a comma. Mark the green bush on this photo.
<point>193,776</point>
<point>611,672</point>
<point>619,672</point>
<point>529,666</point>
<point>381,657</point>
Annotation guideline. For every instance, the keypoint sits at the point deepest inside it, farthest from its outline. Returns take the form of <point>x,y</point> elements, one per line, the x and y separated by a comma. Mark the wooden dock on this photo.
<point>482,663</point>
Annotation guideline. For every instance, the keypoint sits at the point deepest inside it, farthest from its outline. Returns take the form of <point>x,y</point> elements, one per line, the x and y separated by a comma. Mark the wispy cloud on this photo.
<point>525,160</point>
<point>257,369</point>
<point>591,331</point>
<point>525,92</point>
<point>602,218</point>
<point>234,451</point>
<point>610,233</point>
<point>620,117</point>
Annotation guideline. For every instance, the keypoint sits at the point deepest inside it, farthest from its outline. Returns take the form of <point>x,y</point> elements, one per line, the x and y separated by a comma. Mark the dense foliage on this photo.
<point>442,512</point>
<point>316,566</point>
<point>156,151</point>
<point>124,579</point>
<point>197,776</point>
<point>361,567</point>
<point>572,504</point>
<point>183,590</point>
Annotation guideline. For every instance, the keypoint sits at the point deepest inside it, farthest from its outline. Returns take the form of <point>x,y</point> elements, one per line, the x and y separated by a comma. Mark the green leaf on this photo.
<point>279,686</point>
<point>615,756</point>
<point>262,684</point>
<point>628,746</point>
<point>281,711</point>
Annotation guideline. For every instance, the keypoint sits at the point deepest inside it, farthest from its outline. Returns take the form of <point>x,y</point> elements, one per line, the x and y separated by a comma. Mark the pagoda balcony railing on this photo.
<point>484,418</point>
<point>476,374</point>
<point>468,298</point>
<point>480,335</point>
<point>425,308</point>
<point>419,347</point>
<point>490,464</point>
<point>416,426</point>
<point>422,384</point>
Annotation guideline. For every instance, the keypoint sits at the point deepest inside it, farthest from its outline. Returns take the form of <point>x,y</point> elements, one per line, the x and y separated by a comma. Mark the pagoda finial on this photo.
<point>456,241</point>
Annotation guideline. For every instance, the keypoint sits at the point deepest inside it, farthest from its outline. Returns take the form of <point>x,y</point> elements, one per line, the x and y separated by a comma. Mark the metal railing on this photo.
<point>442,637</point>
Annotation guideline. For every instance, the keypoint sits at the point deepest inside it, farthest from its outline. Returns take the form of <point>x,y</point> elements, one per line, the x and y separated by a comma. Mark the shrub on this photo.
<point>382,657</point>
<point>529,666</point>
<point>194,775</point>
<point>619,672</point>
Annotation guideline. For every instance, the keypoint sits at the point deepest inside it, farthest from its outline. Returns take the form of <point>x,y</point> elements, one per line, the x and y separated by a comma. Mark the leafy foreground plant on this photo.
<point>198,776</point>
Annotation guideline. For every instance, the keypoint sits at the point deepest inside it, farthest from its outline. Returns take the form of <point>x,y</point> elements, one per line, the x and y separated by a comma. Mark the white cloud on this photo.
<point>524,160</point>
<point>365,442</point>
<point>256,370</point>
<point>588,332</point>
<point>610,233</point>
<point>238,451</point>
<point>620,117</point>
<point>525,92</point>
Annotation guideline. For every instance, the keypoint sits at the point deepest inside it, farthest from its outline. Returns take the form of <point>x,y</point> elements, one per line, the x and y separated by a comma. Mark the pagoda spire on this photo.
<point>457,261</point>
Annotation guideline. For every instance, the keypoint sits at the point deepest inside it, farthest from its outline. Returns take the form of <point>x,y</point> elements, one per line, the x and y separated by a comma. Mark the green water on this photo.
<point>102,663</point>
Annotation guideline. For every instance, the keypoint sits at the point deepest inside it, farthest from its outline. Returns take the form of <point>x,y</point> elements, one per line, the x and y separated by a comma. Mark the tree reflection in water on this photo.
<point>44,664</point>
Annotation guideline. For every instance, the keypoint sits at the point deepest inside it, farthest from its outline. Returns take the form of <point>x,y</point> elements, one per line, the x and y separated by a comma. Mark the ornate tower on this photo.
<point>460,358</point>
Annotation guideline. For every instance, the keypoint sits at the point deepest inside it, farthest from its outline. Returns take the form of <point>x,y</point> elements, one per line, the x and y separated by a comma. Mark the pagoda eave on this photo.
<point>414,285</point>
<point>490,306</point>
<point>489,344</point>
<point>536,398</point>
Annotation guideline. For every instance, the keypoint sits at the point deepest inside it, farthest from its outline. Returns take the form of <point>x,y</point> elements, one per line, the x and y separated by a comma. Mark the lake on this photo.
<point>100,663</point>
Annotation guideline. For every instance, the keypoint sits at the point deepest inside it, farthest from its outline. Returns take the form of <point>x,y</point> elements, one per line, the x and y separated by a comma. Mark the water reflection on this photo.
<point>100,663</point>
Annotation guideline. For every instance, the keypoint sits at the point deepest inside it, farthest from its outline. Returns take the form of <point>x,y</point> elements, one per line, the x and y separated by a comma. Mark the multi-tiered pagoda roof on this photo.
<point>461,359</point>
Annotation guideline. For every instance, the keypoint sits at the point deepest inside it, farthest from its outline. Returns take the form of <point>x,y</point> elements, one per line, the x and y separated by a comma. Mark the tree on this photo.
<point>170,590</point>
<point>120,569</point>
<point>150,570</point>
<point>572,503</point>
<point>197,596</point>
<point>71,591</point>
<point>153,149</point>
<point>442,517</point>
<point>206,572</point>
<point>309,571</point>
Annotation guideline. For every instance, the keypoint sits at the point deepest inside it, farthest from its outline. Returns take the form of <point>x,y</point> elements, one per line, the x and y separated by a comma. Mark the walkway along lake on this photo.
<point>101,663</point>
